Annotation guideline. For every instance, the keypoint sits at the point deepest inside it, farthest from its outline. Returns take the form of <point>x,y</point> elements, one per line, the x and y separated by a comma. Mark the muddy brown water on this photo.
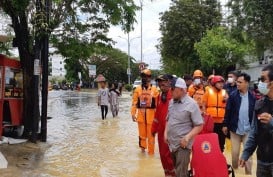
<point>80,144</point>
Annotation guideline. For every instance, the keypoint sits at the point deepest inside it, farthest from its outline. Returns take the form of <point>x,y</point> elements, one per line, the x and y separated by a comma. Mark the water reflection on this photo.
<point>80,144</point>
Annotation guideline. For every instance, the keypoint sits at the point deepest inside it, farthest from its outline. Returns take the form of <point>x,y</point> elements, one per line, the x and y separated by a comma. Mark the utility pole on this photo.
<point>129,57</point>
<point>45,75</point>
<point>36,72</point>
<point>129,69</point>
<point>141,54</point>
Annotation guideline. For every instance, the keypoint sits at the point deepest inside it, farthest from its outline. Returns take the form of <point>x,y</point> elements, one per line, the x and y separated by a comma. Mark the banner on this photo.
<point>92,70</point>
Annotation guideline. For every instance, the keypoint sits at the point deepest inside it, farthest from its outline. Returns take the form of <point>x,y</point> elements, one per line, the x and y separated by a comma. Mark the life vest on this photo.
<point>216,104</point>
<point>197,94</point>
<point>144,103</point>
<point>207,88</point>
<point>146,97</point>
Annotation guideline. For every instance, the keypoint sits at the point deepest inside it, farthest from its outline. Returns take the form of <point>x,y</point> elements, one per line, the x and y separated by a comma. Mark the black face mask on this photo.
<point>144,81</point>
<point>164,97</point>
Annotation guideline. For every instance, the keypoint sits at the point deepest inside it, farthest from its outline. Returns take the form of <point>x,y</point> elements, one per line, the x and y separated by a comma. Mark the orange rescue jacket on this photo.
<point>144,103</point>
<point>215,103</point>
<point>197,94</point>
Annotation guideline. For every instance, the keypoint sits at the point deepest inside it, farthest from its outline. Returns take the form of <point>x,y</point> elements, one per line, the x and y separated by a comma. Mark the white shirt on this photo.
<point>103,94</point>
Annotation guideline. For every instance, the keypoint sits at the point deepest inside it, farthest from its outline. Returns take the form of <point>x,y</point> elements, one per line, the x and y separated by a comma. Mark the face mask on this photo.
<point>230,80</point>
<point>144,81</point>
<point>197,81</point>
<point>262,87</point>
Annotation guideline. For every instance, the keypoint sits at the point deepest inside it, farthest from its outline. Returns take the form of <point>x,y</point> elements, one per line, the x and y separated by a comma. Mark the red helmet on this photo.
<point>216,79</point>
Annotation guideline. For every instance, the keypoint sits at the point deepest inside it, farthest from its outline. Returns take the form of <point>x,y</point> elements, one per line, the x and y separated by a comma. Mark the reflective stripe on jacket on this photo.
<point>216,104</point>
<point>144,103</point>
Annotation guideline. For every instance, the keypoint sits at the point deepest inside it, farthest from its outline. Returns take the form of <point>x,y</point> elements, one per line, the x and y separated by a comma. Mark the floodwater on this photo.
<point>80,144</point>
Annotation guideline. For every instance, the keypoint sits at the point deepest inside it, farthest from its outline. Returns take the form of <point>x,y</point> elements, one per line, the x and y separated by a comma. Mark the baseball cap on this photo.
<point>187,77</point>
<point>163,77</point>
<point>178,82</point>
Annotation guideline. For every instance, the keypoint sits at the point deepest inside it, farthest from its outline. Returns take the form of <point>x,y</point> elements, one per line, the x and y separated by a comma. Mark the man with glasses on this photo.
<point>238,118</point>
<point>184,121</point>
<point>261,134</point>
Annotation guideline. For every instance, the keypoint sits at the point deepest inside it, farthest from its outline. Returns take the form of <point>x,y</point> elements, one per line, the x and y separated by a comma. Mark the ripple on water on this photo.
<point>82,145</point>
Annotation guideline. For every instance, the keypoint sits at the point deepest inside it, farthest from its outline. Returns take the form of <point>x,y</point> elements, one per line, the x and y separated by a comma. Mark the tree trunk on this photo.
<point>26,54</point>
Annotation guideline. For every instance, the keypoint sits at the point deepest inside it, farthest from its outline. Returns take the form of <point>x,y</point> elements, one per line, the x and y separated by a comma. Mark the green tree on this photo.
<point>81,19</point>
<point>181,26</point>
<point>110,62</point>
<point>5,48</point>
<point>219,51</point>
<point>254,17</point>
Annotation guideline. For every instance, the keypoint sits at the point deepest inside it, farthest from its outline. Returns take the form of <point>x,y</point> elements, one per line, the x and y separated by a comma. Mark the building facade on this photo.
<point>56,61</point>
<point>254,68</point>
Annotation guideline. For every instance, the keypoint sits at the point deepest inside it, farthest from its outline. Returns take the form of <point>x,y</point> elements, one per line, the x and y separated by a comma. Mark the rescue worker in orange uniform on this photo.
<point>214,104</point>
<point>159,123</point>
<point>197,90</point>
<point>143,110</point>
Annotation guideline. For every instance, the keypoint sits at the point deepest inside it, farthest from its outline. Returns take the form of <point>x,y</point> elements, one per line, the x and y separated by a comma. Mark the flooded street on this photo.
<point>80,144</point>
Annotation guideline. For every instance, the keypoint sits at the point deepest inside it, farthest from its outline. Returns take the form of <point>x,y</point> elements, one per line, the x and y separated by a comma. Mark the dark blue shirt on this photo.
<point>229,88</point>
<point>233,108</point>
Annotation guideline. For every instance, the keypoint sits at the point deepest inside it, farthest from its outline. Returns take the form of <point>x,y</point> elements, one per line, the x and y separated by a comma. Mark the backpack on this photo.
<point>207,158</point>
<point>208,124</point>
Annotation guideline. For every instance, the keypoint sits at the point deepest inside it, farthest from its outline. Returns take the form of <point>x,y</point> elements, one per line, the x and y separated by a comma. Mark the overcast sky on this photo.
<point>150,34</point>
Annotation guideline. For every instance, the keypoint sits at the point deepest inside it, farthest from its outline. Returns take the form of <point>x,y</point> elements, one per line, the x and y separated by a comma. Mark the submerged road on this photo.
<point>80,144</point>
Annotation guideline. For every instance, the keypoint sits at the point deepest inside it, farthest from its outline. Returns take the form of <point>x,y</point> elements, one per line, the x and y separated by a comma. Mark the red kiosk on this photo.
<point>11,93</point>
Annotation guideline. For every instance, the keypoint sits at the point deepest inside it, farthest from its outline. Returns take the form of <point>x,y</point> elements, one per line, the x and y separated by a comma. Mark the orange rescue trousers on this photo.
<point>146,137</point>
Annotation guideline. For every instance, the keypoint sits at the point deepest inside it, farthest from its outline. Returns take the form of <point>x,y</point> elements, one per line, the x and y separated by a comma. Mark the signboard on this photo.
<point>92,70</point>
<point>128,71</point>
<point>80,75</point>
<point>141,66</point>
<point>36,67</point>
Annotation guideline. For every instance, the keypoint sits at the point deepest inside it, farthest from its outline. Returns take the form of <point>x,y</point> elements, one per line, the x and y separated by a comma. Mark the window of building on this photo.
<point>13,82</point>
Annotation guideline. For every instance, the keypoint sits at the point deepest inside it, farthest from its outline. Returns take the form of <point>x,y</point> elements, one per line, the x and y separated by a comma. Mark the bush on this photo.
<point>128,87</point>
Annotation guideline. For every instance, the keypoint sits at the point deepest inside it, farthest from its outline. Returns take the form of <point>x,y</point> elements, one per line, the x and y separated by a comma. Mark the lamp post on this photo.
<point>129,68</point>
<point>141,6</point>
<point>129,57</point>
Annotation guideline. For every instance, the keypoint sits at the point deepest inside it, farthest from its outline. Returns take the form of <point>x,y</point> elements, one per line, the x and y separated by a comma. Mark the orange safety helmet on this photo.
<point>216,79</point>
<point>197,73</point>
<point>146,72</point>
